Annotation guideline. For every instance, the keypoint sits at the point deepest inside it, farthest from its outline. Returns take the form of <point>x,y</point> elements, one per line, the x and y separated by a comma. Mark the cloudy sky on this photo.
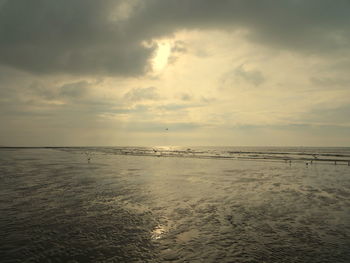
<point>121,72</point>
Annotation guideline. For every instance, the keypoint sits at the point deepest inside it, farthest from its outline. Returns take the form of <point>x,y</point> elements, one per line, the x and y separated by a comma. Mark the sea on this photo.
<point>175,204</point>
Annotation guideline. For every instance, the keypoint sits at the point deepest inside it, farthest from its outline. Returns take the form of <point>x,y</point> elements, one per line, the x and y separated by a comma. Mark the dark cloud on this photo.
<point>69,36</point>
<point>71,90</point>
<point>74,90</point>
<point>313,25</point>
<point>105,37</point>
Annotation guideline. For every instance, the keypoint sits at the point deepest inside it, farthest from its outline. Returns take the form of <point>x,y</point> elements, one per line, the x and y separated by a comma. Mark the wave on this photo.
<point>339,155</point>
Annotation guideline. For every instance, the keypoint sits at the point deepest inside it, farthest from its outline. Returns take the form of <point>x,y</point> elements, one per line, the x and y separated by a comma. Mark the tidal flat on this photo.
<point>71,206</point>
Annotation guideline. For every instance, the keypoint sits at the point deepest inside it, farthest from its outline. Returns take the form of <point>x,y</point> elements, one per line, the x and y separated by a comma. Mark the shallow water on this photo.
<point>55,205</point>
<point>326,155</point>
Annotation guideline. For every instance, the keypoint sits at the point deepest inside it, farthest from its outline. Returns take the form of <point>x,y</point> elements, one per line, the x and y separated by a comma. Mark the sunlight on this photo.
<point>158,232</point>
<point>160,59</point>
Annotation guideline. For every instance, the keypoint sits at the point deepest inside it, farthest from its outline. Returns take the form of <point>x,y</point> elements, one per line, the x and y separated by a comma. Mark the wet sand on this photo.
<point>55,205</point>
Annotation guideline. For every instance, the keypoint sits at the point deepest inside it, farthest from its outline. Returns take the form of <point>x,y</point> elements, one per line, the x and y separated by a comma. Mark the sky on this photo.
<point>165,72</point>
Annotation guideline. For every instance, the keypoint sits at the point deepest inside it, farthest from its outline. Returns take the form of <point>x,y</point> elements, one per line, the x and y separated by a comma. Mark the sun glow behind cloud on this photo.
<point>161,57</point>
<point>130,71</point>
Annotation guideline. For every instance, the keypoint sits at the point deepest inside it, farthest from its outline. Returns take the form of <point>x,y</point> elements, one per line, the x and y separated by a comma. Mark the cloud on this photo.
<point>107,37</point>
<point>254,77</point>
<point>174,107</point>
<point>74,90</point>
<point>138,94</point>
<point>73,64</point>
<point>163,127</point>
<point>69,36</point>
<point>177,49</point>
<point>330,82</point>
<point>179,106</point>
<point>69,91</point>
<point>322,115</point>
<point>313,26</point>
<point>186,97</point>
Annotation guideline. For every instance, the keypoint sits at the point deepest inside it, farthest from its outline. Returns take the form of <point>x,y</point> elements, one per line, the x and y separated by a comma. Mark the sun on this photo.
<point>161,57</point>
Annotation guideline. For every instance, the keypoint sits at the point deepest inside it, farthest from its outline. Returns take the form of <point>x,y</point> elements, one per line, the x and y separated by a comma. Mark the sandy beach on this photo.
<point>57,206</point>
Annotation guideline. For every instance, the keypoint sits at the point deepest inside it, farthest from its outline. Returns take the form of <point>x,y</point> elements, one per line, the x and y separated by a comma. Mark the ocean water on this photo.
<point>175,204</point>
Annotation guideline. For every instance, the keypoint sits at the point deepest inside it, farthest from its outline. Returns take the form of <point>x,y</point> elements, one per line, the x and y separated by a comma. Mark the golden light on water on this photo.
<point>158,232</point>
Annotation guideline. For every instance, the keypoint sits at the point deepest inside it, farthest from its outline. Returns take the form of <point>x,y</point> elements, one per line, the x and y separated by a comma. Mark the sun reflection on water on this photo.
<point>158,232</point>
